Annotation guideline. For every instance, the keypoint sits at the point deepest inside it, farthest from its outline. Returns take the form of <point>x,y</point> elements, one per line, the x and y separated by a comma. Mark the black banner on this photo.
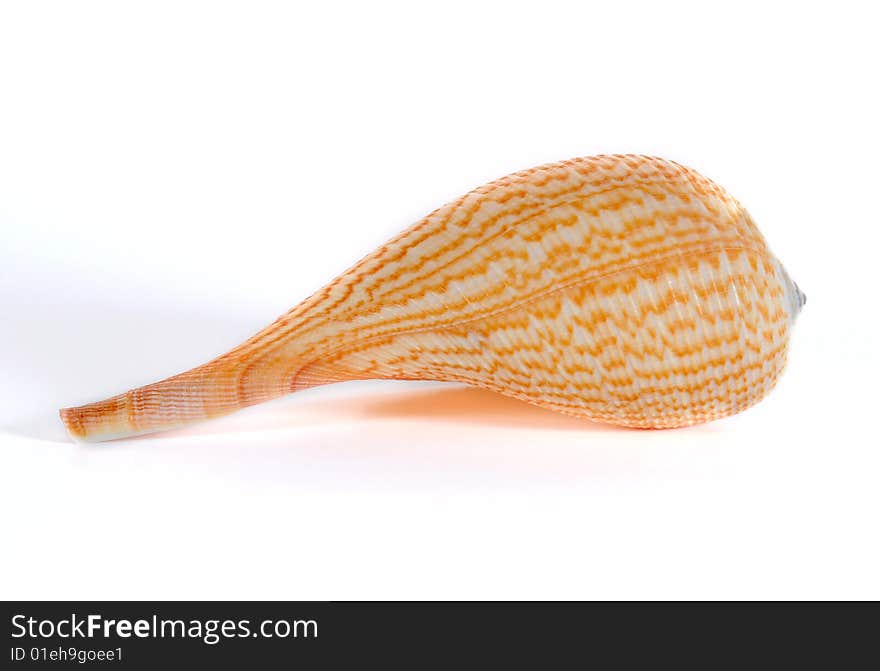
<point>145,634</point>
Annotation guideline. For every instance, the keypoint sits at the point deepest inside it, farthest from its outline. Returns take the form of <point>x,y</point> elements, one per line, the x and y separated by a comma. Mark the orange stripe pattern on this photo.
<point>623,289</point>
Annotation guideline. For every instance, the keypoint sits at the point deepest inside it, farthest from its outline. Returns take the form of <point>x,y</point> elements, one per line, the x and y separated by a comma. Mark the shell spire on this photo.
<point>623,289</point>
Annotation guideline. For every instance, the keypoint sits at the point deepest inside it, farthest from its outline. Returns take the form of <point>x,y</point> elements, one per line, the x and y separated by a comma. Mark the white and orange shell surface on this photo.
<point>624,289</point>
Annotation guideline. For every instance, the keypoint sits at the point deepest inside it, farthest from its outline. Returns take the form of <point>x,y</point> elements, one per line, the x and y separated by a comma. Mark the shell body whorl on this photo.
<point>623,289</point>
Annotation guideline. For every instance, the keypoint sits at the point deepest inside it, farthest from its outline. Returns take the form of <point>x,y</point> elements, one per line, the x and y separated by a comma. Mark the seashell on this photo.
<point>623,289</point>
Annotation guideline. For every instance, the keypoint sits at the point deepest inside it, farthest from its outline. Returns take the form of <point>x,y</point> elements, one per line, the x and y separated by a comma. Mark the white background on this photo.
<point>174,176</point>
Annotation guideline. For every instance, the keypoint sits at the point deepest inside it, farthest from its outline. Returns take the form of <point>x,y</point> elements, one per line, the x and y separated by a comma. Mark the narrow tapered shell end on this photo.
<point>104,420</point>
<point>73,423</point>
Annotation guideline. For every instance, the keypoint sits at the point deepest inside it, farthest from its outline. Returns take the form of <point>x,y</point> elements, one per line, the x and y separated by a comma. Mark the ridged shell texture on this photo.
<point>623,289</point>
